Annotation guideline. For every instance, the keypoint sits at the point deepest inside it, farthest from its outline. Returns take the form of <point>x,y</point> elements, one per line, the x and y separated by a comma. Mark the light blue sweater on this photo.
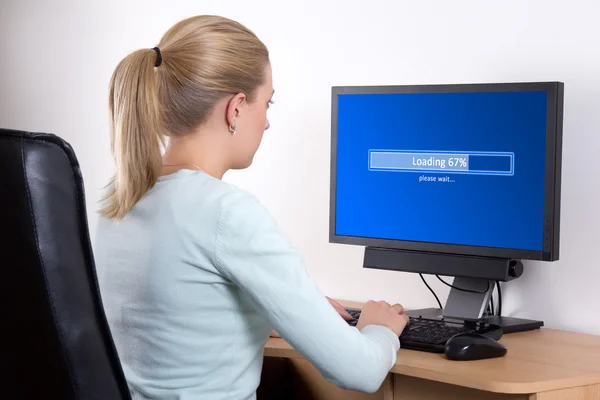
<point>194,279</point>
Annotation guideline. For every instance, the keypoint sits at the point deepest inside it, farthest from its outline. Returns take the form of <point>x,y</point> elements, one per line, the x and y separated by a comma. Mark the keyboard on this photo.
<point>431,335</point>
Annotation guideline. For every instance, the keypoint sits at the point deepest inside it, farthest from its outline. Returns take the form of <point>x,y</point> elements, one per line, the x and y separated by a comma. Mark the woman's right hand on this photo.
<point>381,313</point>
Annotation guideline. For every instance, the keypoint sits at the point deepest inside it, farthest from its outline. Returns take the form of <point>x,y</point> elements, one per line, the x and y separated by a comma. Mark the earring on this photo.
<point>232,130</point>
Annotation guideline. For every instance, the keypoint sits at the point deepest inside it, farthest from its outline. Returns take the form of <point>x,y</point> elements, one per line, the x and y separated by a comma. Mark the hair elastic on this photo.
<point>158,57</point>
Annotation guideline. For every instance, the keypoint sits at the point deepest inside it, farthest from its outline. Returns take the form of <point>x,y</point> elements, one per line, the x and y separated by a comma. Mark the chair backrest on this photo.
<point>56,342</point>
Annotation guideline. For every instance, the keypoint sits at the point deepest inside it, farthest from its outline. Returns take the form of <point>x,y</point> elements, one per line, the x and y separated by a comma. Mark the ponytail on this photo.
<point>136,132</point>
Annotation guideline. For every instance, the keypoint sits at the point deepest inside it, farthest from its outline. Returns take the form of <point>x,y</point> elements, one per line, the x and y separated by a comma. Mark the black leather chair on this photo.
<point>55,341</point>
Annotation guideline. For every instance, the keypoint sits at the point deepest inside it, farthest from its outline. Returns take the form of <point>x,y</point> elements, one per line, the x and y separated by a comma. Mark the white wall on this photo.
<point>56,58</point>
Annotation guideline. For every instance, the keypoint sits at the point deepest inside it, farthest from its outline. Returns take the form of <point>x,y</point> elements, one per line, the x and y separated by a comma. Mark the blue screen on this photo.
<point>454,168</point>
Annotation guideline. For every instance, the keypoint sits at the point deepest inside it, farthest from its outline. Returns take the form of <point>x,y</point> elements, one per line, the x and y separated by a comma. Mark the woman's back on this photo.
<point>182,330</point>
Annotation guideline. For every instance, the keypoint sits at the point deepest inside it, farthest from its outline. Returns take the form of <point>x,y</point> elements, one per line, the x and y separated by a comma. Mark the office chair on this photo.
<point>55,340</point>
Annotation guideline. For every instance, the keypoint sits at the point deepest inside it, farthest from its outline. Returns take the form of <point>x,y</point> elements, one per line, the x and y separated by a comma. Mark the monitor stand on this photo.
<point>469,303</point>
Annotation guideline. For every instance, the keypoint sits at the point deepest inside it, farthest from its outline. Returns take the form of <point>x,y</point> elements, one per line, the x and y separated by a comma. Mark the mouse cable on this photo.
<point>499,298</point>
<point>432,291</point>
<point>464,290</point>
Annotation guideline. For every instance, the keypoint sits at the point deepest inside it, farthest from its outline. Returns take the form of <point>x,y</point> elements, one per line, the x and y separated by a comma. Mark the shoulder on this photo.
<point>248,236</point>
<point>198,192</point>
<point>240,210</point>
<point>231,207</point>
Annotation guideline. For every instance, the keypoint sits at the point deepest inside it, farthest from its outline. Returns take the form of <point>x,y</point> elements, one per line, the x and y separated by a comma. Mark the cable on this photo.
<point>499,298</point>
<point>492,303</point>
<point>464,290</point>
<point>431,290</point>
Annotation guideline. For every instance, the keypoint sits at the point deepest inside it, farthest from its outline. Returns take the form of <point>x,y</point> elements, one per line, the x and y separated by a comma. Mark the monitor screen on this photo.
<point>457,168</point>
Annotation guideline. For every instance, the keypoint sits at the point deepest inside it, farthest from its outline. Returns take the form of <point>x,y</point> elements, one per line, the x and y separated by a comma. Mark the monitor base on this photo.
<point>508,324</point>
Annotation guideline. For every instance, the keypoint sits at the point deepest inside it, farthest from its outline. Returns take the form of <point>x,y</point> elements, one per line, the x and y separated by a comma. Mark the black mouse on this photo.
<point>473,346</point>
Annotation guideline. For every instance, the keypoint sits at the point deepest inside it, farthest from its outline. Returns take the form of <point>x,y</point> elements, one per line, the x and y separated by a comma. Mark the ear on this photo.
<point>234,107</point>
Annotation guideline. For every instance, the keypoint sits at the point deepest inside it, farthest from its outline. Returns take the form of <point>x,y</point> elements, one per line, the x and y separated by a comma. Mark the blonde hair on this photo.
<point>203,59</point>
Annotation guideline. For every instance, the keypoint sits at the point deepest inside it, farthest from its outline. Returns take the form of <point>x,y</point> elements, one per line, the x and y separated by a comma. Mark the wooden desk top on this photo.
<point>537,361</point>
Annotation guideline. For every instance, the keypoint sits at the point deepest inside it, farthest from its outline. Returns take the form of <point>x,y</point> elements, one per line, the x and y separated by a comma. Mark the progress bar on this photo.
<point>456,162</point>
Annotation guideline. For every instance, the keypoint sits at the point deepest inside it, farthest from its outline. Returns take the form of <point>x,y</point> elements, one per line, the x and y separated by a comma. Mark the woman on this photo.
<point>194,272</point>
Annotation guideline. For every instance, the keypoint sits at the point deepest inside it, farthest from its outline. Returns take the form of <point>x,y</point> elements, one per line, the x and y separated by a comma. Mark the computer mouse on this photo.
<point>473,346</point>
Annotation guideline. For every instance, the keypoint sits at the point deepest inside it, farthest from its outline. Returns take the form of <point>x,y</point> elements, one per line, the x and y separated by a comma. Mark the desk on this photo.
<point>544,364</point>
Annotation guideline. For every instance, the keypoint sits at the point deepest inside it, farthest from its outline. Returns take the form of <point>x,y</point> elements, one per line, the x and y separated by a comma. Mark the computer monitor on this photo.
<point>459,180</point>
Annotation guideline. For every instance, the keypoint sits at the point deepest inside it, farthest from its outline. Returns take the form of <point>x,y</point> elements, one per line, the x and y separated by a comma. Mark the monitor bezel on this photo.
<point>552,187</point>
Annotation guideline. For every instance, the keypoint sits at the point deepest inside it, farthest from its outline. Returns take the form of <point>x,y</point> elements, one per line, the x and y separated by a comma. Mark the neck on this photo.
<point>196,151</point>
